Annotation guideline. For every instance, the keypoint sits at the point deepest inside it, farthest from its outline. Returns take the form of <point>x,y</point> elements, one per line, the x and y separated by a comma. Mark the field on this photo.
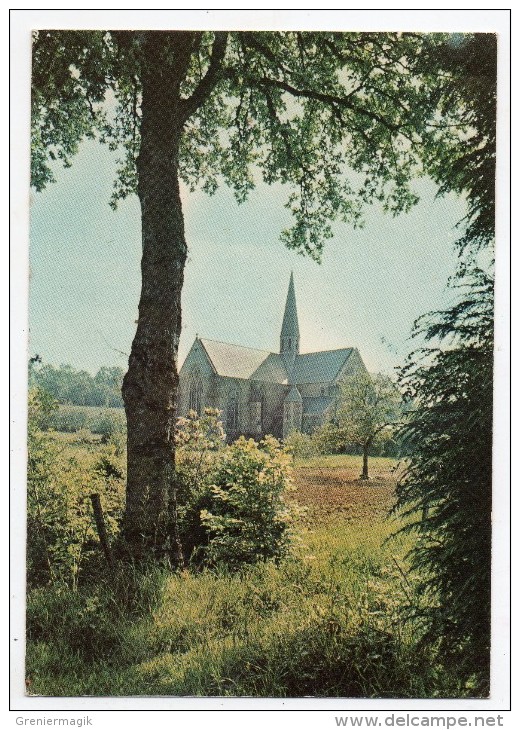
<point>324,622</point>
<point>330,489</point>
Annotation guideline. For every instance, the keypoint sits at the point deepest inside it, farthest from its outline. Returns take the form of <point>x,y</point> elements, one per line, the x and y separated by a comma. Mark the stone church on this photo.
<point>261,392</point>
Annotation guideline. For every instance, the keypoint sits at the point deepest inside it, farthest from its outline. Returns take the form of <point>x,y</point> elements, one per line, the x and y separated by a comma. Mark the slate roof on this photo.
<point>235,361</point>
<point>272,370</point>
<point>290,316</point>
<point>319,367</point>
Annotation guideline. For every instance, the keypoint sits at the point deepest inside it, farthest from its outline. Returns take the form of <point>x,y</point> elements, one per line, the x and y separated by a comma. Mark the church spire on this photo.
<point>290,334</point>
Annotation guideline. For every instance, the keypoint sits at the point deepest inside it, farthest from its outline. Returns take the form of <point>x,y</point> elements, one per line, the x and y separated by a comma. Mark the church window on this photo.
<point>289,346</point>
<point>196,395</point>
<point>232,411</point>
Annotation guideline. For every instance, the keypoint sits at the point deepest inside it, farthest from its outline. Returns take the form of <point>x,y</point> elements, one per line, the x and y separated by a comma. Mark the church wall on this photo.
<point>196,365</point>
<point>274,396</point>
<point>313,390</point>
<point>225,389</point>
<point>249,395</point>
<point>353,365</point>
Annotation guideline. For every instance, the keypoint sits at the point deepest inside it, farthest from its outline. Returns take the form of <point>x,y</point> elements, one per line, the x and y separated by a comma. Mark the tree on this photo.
<point>109,381</point>
<point>447,489</point>
<point>204,107</point>
<point>463,161</point>
<point>368,407</point>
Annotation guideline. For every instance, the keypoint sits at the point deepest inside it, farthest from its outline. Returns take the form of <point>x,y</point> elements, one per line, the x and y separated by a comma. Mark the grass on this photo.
<point>325,622</point>
<point>346,461</point>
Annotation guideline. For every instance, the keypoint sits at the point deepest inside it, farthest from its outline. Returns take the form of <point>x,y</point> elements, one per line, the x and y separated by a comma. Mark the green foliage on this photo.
<point>367,408</point>
<point>231,505</point>
<point>248,518</point>
<point>200,442</point>
<point>60,529</point>
<point>66,104</point>
<point>78,387</point>
<point>301,445</point>
<point>110,426</point>
<point>94,622</point>
<point>446,490</point>
<point>339,118</point>
<point>460,155</point>
<point>270,630</point>
<point>41,407</point>
<point>365,417</point>
<point>107,422</point>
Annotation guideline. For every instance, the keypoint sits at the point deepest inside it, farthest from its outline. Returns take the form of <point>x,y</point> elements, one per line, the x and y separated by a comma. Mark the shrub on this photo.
<point>109,425</point>
<point>70,418</point>
<point>248,519</point>
<point>84,436</point>
<point>60,526</point>
<point>200,440</point>
<point>301,445</point>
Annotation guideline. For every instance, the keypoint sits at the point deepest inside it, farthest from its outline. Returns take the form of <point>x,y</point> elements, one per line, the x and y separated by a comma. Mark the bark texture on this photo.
<point>150,385</point>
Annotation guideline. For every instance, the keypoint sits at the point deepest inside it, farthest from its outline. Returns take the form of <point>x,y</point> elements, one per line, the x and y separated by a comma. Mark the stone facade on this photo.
<point>261,392</point>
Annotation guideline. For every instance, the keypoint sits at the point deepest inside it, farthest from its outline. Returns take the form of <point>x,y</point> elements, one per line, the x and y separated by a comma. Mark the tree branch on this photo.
<point>329,99</point>
<point>207,83</point>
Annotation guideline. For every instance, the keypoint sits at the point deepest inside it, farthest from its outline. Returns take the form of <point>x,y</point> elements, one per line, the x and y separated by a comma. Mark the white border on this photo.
<point>369,18</point>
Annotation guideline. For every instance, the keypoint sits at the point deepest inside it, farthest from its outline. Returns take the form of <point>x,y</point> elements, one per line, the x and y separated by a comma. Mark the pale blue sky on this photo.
<point>370,287</point>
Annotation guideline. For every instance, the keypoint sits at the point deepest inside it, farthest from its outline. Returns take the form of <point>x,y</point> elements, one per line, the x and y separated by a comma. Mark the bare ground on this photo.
<point>330,493</point>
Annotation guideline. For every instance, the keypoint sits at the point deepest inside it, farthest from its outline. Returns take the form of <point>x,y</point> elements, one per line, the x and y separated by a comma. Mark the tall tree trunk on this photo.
<point>364,473</point>
<point>150,385</point>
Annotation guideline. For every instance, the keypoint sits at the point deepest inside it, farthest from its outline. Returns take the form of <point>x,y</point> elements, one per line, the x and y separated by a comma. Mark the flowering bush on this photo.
<point>248,519</point>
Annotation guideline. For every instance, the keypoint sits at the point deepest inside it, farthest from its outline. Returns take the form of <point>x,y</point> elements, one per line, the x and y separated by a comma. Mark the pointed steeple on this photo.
<point>290,334</point>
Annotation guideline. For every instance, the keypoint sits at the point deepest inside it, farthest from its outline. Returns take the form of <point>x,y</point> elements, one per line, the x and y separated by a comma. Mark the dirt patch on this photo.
<point>332,493</point>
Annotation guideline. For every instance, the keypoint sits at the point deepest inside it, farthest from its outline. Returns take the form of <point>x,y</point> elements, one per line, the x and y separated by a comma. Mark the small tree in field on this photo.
<point>368,407</point>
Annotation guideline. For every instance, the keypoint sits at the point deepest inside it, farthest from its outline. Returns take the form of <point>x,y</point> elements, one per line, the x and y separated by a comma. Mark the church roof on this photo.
<point>319,367</point>
<point>235,361</point>
<point>290,316</point>
<point>272,370</point>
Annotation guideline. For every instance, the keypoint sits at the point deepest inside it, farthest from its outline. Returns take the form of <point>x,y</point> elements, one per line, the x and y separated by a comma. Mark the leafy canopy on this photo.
<point>341,119</point>
<point>367,408</point>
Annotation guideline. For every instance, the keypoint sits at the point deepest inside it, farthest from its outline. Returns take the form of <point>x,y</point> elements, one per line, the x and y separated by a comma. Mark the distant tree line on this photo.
<point>78,387</point>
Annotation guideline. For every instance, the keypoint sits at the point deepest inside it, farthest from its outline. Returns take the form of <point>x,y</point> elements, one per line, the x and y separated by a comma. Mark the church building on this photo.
<point>261,392</point>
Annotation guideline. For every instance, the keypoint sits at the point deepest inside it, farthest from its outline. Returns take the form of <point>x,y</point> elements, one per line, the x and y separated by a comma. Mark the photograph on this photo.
<point>260,362</point>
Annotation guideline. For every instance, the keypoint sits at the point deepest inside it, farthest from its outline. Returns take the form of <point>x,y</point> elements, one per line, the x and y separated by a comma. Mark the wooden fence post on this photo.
<point>101,529</point>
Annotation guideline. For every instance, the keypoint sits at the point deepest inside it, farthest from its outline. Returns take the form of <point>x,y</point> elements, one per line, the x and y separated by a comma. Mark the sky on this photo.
<point>370,287</point>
